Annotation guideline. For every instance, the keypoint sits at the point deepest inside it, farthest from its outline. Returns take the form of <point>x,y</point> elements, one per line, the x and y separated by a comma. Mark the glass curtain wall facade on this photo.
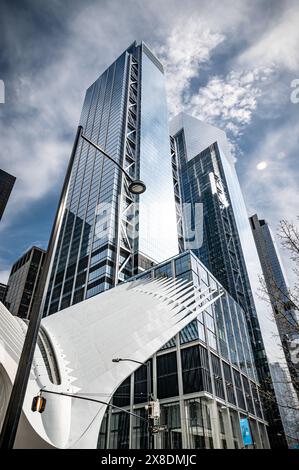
<point>204,378</point>
<point>107,233</point>
<point>209,189</point>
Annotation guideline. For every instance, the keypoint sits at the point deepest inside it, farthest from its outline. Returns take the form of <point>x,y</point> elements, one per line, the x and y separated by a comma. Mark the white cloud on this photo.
<point>46,105</point>
<point>281,155</point>
<point>279,43</point>
<point>4,275</point>
<point>39,156</point>
<point>230,102</point>
<point>188,46</point>
<point>225,101</point>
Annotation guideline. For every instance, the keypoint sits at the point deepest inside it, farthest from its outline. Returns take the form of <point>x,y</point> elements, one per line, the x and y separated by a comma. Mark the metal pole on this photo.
<point>14,409</point>
<point>149,398</point>
<point>149,395</point>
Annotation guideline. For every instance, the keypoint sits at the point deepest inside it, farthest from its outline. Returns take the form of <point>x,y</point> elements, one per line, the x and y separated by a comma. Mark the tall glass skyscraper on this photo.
<point>225,245</point>
<point>276,285</point>
<point>205,173</point>
<point>108,234</point>
<point>274,275</point>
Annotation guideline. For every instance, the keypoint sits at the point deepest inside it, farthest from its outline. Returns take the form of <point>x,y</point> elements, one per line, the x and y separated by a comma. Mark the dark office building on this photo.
<point>6,184</point>
<point>22,282</point>
<point>3,291</point>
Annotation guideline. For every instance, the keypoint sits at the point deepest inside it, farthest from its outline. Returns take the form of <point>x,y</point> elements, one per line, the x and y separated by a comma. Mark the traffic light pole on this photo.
<point>149,398</point>
<point>150,419</point>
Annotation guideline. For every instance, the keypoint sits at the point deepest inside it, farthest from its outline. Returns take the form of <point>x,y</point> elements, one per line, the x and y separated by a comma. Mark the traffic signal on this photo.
<point>153,409</point>
<point>38,404</point>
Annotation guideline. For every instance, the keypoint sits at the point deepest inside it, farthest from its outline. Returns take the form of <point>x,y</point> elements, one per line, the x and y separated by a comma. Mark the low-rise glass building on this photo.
<point>204,378</point>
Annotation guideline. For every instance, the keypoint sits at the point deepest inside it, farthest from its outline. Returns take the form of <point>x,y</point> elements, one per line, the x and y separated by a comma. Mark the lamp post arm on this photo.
<point>108,156</point>
<point>95,401</point>
<point>130,360</point>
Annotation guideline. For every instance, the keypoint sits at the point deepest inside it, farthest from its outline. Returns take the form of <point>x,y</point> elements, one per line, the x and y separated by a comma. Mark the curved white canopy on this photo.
<point>75,352</point>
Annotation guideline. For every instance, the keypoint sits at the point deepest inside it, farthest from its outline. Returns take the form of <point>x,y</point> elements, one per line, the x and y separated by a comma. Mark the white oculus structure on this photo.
<point>75,351</point>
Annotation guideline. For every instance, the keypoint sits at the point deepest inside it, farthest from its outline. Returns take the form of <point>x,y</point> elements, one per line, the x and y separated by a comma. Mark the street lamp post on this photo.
<point>135,186</point>
<point>15,404</point>
<point>149,393</point>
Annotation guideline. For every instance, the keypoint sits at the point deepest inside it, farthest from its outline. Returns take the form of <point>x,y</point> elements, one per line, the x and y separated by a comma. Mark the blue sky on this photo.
<point>230,63</point>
